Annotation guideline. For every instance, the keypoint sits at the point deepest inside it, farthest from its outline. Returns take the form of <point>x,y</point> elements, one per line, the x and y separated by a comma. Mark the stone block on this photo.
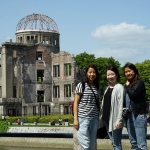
<point>35,123</point>
<point>66,123</point>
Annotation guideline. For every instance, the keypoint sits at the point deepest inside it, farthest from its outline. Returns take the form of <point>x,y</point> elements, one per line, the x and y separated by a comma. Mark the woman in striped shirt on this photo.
<point>86,108</point>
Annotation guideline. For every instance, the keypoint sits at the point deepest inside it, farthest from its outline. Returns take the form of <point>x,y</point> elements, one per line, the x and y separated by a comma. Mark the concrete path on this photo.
<point>102,144</point>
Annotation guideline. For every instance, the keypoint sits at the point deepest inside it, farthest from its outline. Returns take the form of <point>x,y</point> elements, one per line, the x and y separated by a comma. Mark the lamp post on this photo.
<point>39,100</point>
<point>74,69</point>
<point>40,108</point>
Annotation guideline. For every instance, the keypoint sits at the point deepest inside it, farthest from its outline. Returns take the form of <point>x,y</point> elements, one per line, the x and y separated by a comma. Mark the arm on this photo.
<point>98,104</point>
<point>98,100</point>
<point>136,89</point>
<point>120,96</point>
<point>76,102</point>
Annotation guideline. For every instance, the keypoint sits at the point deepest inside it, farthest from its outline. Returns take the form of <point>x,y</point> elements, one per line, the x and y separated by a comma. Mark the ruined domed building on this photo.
<point>36,77</point>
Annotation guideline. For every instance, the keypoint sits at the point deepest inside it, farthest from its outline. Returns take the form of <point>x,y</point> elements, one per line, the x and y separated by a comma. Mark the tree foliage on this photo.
<point>84,59</point>
<point>144,72</point>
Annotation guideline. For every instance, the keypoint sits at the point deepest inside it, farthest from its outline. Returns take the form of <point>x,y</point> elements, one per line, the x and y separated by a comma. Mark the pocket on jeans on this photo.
<point>141,121</point>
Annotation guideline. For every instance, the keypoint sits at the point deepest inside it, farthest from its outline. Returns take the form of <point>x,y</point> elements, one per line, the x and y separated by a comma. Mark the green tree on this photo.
<point>144,72</point>
<point>84,59</point>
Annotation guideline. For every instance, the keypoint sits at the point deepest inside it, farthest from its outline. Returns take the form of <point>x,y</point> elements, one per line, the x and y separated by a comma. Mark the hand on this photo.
<point>118,125</point>
<point>98,108</point>
<point>76,124</point>
<point>127,82</point>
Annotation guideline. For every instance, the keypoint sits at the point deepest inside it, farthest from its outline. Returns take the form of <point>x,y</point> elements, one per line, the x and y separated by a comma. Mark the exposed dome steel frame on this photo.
<point>37,22</point>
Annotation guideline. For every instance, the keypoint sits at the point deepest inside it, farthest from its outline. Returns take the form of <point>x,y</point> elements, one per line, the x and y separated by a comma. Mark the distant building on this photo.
<point>36,77</point>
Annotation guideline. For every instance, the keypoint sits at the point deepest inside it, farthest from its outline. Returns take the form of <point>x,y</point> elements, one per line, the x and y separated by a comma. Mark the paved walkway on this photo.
<point>102,144</point>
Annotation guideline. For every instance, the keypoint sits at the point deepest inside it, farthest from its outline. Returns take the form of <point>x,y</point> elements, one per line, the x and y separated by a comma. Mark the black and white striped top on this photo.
<point>87,107</point>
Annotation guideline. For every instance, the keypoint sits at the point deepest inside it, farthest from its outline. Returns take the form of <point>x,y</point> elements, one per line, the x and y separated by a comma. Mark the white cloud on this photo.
<point>123,34</point>
<point>123,55</point>
<point>117,53</point>
<point>124,42</point>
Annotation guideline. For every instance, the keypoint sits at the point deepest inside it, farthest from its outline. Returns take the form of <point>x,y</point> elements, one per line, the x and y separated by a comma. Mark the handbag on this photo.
<point>102,133</point>
<point>126,110</point>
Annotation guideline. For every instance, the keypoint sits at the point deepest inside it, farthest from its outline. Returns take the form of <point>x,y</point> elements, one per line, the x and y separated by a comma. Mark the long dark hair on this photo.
<point>136,76</point>
<point>96,80</point>
<point>115,70</point>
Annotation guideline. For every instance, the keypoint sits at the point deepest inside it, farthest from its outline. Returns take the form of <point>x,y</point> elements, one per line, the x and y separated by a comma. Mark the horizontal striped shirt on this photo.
<point>87,107</point>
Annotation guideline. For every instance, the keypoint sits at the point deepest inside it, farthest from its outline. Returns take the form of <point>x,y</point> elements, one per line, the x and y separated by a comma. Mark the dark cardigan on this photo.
<point>137,95</point>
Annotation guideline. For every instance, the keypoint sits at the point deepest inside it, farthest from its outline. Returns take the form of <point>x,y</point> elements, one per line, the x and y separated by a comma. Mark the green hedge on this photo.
<point>4,126</point>
<point>42,119</point>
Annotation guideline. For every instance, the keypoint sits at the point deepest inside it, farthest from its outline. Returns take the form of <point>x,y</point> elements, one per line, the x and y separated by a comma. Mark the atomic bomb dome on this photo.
<point>39,76</point>
<point>37,22</point>
<point>38,28</point>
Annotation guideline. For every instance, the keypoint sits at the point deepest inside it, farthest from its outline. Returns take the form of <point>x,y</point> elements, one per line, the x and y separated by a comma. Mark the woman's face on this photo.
<point>91,74</point>
<point>129,73</point>
<point>111,77</point>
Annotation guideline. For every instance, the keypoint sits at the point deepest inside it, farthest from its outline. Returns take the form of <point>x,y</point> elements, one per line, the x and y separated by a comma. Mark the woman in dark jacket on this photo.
<point>135,102</point>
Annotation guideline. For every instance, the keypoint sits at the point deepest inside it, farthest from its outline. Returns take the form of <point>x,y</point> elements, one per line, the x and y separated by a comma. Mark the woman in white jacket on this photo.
<point>111,108</point>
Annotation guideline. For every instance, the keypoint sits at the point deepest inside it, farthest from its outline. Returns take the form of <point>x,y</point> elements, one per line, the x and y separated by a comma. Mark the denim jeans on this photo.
<point>137,129</point>
<point>115,137</point>
<point>87,133</point>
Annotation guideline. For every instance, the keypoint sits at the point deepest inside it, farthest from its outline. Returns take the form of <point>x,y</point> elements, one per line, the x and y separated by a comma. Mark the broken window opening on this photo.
<point>67,90</point>
<point>56,71</point>
<point>38,55</point>
<point>56,92</point>
<point>36,39</point>
<point>55,42</point>
<point>67,69</point>
<point>40,75</point>
<point>34,110</point>
<point>14,92</point>
<point>32,38</point>
<point>40,96</point>
<point>28,38</point>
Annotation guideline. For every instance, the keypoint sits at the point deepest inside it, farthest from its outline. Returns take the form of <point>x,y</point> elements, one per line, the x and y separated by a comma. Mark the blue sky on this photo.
<point>105,28</point>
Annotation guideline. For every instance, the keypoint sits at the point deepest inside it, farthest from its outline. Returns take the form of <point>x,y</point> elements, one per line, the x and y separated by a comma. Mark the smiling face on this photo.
<point>111,77</point>
<point>129,73</point>
<point>91,74</point>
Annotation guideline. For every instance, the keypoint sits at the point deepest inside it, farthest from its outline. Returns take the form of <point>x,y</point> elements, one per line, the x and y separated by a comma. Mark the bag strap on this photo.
<point>97,103</point>
<point>124,100</point>
<point>93,92</point>
<point>83,87</point>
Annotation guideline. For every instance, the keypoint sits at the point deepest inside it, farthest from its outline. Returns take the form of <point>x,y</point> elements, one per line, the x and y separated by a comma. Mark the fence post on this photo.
<point>35,123</point>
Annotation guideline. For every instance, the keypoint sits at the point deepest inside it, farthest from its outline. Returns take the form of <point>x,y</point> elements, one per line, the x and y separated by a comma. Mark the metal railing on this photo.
<point>52,135</point>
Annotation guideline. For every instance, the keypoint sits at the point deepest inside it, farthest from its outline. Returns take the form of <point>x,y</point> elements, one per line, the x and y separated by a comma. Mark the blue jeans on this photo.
<point>137,130</point>
<point>115,137</point>
<point>87,133</point>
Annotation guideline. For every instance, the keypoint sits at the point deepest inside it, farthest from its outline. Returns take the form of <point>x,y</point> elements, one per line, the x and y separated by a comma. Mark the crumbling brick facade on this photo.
<point>36,77</point>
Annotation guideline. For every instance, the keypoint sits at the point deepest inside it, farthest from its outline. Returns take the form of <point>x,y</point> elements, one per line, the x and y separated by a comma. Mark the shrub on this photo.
<point>42,119</point>
<point>4,126</point>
